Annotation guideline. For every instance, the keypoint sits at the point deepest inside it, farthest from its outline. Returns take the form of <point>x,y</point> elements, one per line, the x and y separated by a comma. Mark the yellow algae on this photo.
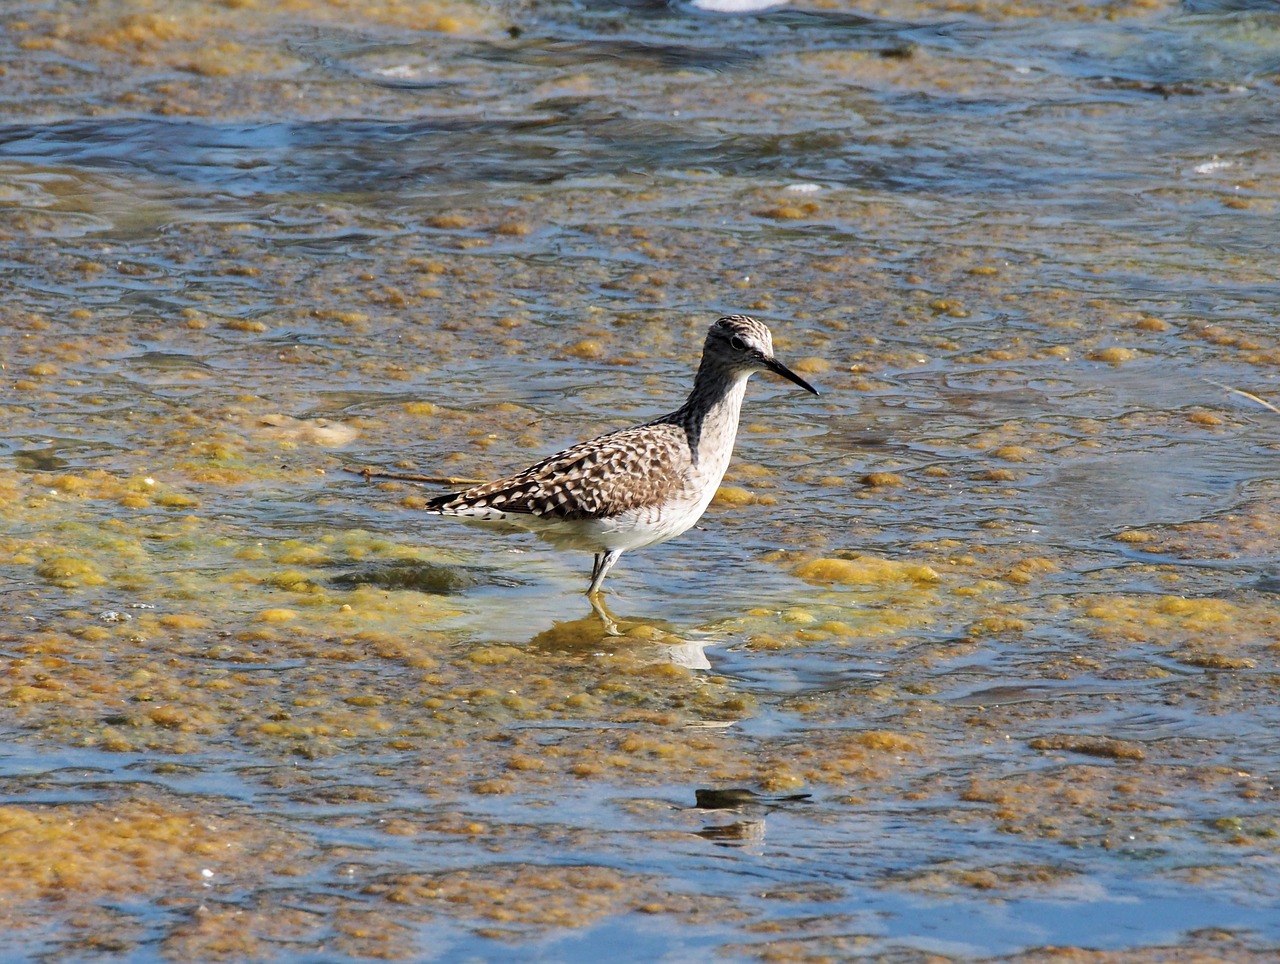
<point>1179,621</point>
<point>998,475</point>
<point>93,484</point>
<point>641,745</point>
<point>1209,610</point>
<point>450,220</point>
<point>218,475</point>
<point>1205,418</point>
<point>295,555</point>
<point>421,408</point>
<point>581,701</point>
<point>668,670</point>
<point>277,615</point>
<point>525,762</point>
<point>69,483</point>
<point>1133,536</point>
<point>1213,660</point>
<point>183,621</point>
<point>588,348</point>
<point>514,229</point>
<point>170,715</point>
<point>885,741</point>
<point>558,897</point>
<point>866,570</point>
<point>293,581</point>
<point>494,656</point>
<point>31,694</point>
<point>248,326</point>
<point>766,642</point>
<point>1114,355</point>
<point>141,30</point>
<point>787,212</point>
<point>493,787</point>
<point>882,480</point>
<point>175,500</point>
<point>811,365</point>
<point>401,828</point>
<point>230,59</point>
<point>101,852</point>
<point>993,625</point>
<point>1015,453</point>
<point>781,780</point>
<point>70,572</point>
<point>1026,570</point>
<point>443,16</point>
<point>733,495</point>
<point>643,631</point>
<point>521,705</point>
<point>1090,746</point>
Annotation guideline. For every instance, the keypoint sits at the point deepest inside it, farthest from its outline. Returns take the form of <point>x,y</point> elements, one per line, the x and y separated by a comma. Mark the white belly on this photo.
<point>646,526</point>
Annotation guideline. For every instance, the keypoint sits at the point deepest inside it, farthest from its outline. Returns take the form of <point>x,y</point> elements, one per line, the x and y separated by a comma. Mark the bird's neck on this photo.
<point>710,415</point>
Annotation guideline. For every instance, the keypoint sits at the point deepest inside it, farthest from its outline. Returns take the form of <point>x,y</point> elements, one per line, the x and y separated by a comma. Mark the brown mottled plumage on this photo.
<point>606,476</point>
<point>637,486</point>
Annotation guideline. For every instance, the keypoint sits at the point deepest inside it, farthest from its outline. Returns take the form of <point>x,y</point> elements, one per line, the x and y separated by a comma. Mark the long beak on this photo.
<point>778,368</point>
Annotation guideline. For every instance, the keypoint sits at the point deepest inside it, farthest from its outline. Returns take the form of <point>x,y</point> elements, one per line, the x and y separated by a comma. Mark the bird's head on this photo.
<point>745,345</point>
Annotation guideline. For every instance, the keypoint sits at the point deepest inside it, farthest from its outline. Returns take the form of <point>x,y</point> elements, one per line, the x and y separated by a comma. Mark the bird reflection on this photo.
<point>740,833</point>
<point>752,807</point>
<point>649,639</point>
<point>739,799</point>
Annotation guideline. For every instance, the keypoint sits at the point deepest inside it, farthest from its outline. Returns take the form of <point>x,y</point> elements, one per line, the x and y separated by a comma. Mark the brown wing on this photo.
<point>630,469</point>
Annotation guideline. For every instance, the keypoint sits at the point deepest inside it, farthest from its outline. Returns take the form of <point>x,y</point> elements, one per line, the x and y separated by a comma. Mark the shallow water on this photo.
<point>1002,602</point>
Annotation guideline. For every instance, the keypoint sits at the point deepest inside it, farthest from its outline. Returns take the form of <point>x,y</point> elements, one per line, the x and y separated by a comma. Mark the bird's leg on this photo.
<point>610,624</point>
<point>603,563</point>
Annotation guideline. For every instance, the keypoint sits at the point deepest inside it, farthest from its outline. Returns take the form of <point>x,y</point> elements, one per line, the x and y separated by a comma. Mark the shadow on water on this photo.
<point>422,577</point>
<point>412,66</point>
<point>344,156</point>
<point>341,156</point>
<point>554,53</point>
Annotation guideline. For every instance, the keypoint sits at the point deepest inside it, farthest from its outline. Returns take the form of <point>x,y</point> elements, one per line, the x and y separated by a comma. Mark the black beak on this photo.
<point>778,368</point>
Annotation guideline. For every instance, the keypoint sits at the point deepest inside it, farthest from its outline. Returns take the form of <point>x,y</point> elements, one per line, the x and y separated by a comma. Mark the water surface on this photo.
<point>989,628</point>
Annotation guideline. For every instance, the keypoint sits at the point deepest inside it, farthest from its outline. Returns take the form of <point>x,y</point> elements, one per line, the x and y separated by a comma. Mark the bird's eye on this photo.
<point>737,344</point>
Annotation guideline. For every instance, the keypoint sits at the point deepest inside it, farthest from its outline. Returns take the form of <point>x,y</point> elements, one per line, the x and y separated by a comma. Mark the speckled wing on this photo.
<point>601,478</point>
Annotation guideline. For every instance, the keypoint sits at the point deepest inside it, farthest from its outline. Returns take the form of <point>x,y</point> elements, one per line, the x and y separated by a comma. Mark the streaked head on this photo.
<point>744,345</point>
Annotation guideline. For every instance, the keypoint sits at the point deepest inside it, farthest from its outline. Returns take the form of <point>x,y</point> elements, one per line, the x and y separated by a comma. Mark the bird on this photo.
<point>639,486</point>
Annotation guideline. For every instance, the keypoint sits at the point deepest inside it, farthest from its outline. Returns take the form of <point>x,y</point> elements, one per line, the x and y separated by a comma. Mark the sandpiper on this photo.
<point>637,486</point>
